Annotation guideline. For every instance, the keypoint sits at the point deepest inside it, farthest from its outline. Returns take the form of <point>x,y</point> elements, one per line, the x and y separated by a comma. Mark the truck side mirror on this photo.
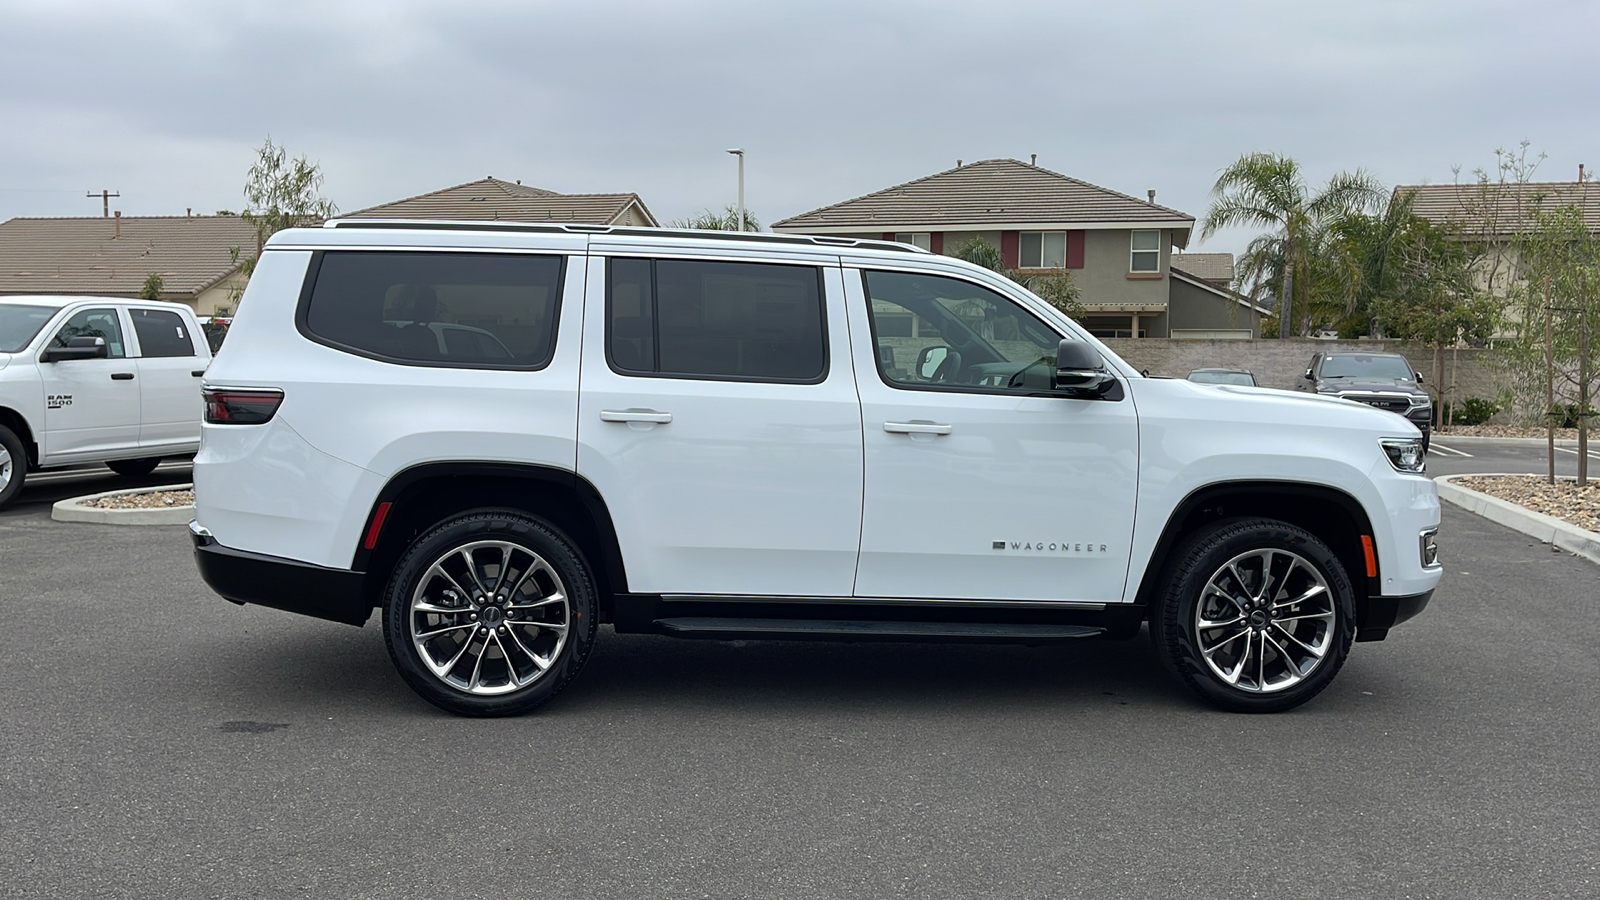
<point>1308,376</point>
<point>1081,371</point>
<point>81,347</point>
<point>1419,377</point>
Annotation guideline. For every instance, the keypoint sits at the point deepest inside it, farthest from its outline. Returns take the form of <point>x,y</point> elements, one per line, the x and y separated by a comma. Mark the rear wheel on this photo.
<point>13,465</point>
<point>135,468</point>
<point>1258,616</point>
<point>490,613</point>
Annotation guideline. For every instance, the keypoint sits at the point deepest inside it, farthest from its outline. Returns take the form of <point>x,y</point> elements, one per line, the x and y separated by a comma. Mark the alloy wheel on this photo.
<point>1265,621</point>
<point>489,617</point>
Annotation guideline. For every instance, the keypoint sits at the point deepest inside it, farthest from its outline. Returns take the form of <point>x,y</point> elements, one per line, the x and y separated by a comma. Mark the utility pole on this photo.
<point>740,153</point>
<point>105,201</point>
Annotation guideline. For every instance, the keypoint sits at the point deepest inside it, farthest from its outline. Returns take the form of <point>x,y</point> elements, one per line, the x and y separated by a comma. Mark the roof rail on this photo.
<point>689,233</point>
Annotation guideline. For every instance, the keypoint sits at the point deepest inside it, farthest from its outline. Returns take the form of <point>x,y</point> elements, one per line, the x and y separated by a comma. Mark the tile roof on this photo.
<point>491,198</point>
<point>989,192</point>
<point>84,255</point>
<point>1467,205</point>
<point>1205,266</point>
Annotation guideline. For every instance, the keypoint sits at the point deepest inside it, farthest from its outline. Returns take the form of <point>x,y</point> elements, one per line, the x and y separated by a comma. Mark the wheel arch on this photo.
<point>18,423</point>
<point>1335,517</point>
<point>423,495</point>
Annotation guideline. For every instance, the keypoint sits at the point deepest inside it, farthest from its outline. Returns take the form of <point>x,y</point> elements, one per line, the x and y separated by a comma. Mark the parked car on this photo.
<point>1223,376</point>
<point>770,436</point>
<point>1383,380</point>
<point>96,380</point>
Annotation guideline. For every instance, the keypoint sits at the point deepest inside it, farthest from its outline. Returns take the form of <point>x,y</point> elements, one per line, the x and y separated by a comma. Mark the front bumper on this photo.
<point>1376,615</point>
<point>243,577</point>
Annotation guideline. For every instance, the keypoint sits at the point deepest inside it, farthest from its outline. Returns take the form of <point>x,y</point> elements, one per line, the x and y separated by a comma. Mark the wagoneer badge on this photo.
<point>1051,546</point>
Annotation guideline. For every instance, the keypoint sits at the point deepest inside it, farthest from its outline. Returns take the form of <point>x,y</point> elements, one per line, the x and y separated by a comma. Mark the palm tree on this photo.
<point>1266,190</point>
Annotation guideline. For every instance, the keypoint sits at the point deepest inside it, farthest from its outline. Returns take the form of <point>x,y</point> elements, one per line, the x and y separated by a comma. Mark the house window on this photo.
<point>1146,253</point>
<point>1042,250</point>
<point>915,238</point>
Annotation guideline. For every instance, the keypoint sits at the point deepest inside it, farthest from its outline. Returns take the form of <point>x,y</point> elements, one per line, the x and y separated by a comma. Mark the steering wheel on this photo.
<point>1021,375</point>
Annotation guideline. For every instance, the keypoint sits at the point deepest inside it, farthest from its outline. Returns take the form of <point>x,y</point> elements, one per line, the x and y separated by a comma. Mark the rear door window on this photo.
<point>161,334</point>
<point>467,310</point>
<point>731,321</point>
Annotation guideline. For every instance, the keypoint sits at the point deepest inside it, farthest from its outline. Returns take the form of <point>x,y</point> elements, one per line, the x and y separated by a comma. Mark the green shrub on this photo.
<point>1473,411</point>
<point>1566,415</point>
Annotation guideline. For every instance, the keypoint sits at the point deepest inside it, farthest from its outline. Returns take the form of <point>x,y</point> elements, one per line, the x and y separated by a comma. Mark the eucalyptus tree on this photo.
<point>1266,190</point>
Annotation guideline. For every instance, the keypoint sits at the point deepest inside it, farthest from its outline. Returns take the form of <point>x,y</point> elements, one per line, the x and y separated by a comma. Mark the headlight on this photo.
<point>1421,401</point>
<point>1405,454</point>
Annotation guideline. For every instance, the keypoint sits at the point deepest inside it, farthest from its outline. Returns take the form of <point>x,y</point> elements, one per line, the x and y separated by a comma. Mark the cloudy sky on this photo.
<point>165,102</point>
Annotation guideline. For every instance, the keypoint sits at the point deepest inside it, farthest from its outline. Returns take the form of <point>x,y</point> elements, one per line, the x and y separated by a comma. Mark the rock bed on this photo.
<point>151,500</point>
<point>1514,431</point>
<point>1563,500</point>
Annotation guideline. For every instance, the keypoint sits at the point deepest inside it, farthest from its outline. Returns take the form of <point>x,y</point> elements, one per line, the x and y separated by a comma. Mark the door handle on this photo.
<point>121,376</point>
<point>635,415</point>
<point>198,373</point>
<point>915,428</point>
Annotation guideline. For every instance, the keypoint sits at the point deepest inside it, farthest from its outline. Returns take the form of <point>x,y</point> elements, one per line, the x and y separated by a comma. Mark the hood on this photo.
<point>1366,383</point>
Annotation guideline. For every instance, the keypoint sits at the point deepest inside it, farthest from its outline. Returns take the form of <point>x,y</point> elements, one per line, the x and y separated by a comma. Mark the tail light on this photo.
<point>240,406</point>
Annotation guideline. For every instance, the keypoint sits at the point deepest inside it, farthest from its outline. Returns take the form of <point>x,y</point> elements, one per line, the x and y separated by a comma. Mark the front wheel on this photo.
<point>1258,616</point>
<point>490,613</point>
<point>13,465</point>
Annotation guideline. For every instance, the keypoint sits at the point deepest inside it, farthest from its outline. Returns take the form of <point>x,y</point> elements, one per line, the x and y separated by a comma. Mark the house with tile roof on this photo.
<point>112,256</point>
<point>493,199</point>
<point>1490,215</point>
<point>196,255</point>
<point>1117,248</point>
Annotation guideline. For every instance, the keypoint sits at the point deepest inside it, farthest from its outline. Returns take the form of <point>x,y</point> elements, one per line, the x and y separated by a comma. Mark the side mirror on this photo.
<point>929,359</point>
<point>1308,376</point>
<point>1081,371</point>
<point>1419,377</point>
<point>82,347</point>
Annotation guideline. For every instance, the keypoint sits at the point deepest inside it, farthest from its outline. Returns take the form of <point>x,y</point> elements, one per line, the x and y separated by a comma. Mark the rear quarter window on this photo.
<point>465,310</point>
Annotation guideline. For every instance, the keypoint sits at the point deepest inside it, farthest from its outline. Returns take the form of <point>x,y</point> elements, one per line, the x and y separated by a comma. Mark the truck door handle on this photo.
<point>198,373</point>
<point>635,415</point>
<point>915,428</point>
<point>121,376</point>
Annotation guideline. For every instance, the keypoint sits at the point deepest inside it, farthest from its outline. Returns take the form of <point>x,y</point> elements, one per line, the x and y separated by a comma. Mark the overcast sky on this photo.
<point>165,102</point>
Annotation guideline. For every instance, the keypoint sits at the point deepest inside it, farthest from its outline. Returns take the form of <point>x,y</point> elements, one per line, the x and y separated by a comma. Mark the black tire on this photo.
<point>1317,630</point>
<point>13,466</point>
<point>528,645</point>
<point>134,468</point>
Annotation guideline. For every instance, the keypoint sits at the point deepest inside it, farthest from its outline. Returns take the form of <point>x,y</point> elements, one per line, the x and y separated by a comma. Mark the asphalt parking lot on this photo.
<point>156,741</point>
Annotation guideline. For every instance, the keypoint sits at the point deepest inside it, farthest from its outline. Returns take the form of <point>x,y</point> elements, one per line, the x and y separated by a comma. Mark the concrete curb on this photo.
<point>1446,438</point>
<point>1549,529</point>
<point>69,510</point>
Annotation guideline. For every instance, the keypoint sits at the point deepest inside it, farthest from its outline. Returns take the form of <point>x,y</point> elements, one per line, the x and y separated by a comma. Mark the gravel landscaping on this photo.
<point>1513,431</point>
<point>151,500</point>
<point>1563,500</point>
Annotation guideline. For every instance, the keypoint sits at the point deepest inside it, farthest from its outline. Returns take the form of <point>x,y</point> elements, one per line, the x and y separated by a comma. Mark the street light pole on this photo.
<point>739,224</point>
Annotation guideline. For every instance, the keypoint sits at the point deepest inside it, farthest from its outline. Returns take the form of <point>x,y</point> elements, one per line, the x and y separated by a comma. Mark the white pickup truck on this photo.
<point>96,379</point>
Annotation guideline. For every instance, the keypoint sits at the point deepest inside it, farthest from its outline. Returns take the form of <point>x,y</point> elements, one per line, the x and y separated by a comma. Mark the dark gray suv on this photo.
<point>1384,380</point>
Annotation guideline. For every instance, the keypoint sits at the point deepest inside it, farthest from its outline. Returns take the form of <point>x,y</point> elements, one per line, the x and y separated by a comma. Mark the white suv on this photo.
<point>737,436</point>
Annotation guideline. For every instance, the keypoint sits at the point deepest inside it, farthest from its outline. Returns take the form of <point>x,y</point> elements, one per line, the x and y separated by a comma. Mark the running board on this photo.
<point>717,628</point>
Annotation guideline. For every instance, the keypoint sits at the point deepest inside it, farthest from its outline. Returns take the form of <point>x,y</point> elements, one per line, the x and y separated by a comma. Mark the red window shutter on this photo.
<point>936,241</point>
<point>1075,249</point>
<point>1008,249</point>
<point>888,235</point>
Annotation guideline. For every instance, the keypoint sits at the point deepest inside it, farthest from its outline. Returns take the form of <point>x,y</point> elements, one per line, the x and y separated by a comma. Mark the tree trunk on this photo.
<point>1286,302</point>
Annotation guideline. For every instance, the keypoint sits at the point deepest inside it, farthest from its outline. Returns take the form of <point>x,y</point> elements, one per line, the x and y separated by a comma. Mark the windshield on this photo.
<point>18,324</point>
<point>1364,365</point>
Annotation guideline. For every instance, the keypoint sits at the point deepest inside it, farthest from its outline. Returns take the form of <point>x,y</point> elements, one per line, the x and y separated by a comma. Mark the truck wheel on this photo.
<point>490,613</point>
<point>1258,616</point>
<point>13,465</point>
<point>135,468</point>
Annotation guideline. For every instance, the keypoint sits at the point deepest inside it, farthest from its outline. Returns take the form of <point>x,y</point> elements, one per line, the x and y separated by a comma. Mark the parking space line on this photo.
<point>1592,454</point>
<point>1436,447</point>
